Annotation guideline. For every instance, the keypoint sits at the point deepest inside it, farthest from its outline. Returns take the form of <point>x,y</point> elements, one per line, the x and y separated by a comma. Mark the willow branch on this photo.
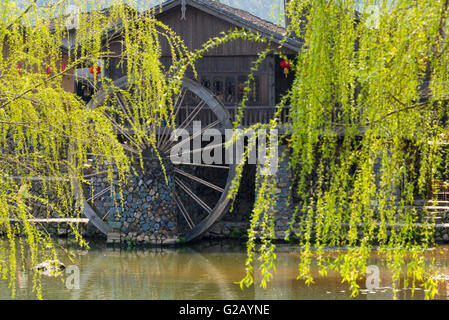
<point>411,107</point>
<point>31,5</point>
<point>61,73</point>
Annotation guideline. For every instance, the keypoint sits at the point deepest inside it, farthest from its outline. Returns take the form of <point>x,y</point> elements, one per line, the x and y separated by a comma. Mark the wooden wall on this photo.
<point>234,58</point>
<point>68,80</point>
<point>199,27</point>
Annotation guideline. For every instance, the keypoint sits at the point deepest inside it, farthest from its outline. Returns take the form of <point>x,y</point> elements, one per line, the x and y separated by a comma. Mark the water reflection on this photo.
<point>206,271</point>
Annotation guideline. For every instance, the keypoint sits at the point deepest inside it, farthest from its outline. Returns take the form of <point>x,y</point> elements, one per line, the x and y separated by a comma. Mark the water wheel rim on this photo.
<point>221,206</point>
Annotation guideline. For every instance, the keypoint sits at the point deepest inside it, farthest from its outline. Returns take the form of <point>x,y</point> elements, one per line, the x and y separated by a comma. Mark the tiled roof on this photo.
<point>238,16</point>
<point>244,15</point>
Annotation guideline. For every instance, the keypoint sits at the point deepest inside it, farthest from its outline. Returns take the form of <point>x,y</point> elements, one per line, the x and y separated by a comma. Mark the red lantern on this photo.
<point>19,68</point>
<point>286,65</point>
<point>63,67</point>
<point>95,70</point>
<point>48,70</point>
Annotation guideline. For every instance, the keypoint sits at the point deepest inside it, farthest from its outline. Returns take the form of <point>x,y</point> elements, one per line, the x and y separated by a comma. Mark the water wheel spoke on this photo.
<point>168,143</point>
<point>211,147</point>
<point>99,194</point>
<point>178,104</point>
<point>197,134</point>
<point>203,165</point>
<point>95,174</point>
<point>196,110</point>
<point>193,196</point>
<point>122,105</point>
<point>184,211</point>
<point>204,182</point>
<point>124,146</point>
<point>181,101</point>
<point>128,114</point>
<point>123,131</point>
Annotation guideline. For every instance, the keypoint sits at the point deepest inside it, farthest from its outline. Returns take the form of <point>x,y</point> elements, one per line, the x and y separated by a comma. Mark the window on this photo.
<point>218,88</point>
<point>84,91</point>
<point>241,81</point>
<point>205,82</point>
<point>85,79</point>
<point>230,89</point>
<point>254,96</point>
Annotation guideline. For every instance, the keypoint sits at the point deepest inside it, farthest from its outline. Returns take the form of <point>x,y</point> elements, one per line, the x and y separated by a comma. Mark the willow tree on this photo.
<point>46,132</point>
<point>368,131</point>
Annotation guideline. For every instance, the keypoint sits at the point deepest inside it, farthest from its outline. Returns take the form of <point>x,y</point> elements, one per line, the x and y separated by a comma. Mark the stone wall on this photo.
<point>283,210</point>
<point>442,228</point>
<point>55,229</point>
<point>237,229</point>
<point>147,211</point>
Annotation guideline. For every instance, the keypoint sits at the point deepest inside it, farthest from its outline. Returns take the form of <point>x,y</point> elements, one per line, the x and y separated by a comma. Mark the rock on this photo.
<point>226,231</point>
<point>282,185</point>
<point>50,267</point>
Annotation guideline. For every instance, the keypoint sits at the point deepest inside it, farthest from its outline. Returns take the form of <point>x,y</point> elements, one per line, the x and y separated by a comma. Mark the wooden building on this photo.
<point>224,70</point>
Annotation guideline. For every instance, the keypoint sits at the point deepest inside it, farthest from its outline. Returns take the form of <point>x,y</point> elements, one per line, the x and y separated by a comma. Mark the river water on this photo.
<point>203,271</point>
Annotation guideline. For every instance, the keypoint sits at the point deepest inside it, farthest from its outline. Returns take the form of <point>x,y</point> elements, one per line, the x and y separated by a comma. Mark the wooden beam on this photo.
<point>54,220</point>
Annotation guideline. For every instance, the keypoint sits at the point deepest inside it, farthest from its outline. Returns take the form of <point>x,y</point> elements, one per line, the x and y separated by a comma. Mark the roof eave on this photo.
<point>289,43</point>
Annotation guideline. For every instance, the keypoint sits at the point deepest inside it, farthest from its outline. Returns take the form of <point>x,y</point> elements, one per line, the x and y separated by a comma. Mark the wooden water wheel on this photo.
<point>199,191</point>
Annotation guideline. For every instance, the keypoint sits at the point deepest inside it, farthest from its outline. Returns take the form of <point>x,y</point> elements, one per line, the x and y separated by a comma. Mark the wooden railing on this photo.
<point>251,115</point>
<point>260,114</point>
<point>440,191</point>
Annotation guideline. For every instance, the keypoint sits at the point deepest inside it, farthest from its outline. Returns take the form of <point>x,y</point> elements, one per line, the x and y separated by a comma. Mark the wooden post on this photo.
<point>287,20</point>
